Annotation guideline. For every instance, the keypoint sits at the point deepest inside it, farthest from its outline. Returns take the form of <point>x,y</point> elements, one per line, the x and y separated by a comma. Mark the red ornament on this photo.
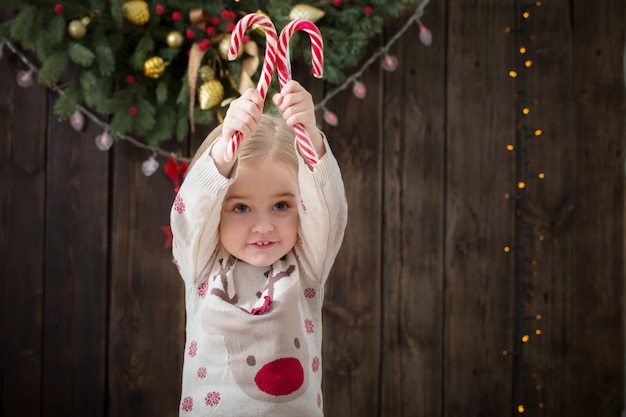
<point>175,171</point>
<point>176,15</point>
<point>160,8</point>
<point>130,79</point>
<point>215,20</point>
<point>204,44</point>
<point>368,9</point>
<point>231,27</point>
<point>168,234</point>
<point>210,30</point>
<point>132,110</point>
<point>337,2</point>
<point>190,34</point>
<point>58,8</point>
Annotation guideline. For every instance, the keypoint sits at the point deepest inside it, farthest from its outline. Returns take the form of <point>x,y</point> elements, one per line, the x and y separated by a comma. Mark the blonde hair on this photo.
<point>273,141</point>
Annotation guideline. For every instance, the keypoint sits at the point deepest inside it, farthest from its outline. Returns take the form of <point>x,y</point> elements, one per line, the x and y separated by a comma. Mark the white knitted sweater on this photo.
<point>237,363</point>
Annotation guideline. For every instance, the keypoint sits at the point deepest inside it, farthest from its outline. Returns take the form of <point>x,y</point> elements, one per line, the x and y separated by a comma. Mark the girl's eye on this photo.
<point>281,206</point>
<point>241,208</point>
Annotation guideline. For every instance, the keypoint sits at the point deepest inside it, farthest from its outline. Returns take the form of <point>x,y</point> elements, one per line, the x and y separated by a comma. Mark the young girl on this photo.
<point>254,241</point>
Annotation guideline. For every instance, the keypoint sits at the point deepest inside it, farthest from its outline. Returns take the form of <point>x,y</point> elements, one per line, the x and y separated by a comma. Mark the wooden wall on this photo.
<point>422,300</point>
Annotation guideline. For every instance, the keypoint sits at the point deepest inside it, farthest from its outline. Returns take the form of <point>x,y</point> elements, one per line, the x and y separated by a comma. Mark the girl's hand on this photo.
<point>243,116</point>
<point>296,105</point>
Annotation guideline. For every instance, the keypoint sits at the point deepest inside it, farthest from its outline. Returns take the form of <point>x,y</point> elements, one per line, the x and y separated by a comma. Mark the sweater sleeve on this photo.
<point>195,217</point>
<point>323,215</point>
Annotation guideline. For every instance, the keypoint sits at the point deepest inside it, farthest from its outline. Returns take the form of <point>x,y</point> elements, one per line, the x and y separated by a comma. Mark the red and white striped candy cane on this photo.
<point>269,63</point>
<point>284,73</point>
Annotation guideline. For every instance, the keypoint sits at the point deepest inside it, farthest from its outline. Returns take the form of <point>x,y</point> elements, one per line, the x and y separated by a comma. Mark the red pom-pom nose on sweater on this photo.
<point>280,377</point>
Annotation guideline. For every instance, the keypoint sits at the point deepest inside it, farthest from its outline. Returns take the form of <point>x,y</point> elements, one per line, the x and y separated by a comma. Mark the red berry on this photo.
<point>58,8</point>
<point>160,9</point>
<point>368,9</point>
<point>176,15</point>
<point>132,111</point>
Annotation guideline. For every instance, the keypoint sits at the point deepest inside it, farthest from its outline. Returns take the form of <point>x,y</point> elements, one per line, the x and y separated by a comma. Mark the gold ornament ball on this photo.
<point>211,94</point>
<point>154,67</point>
<point>77,29</point>
<point>174,39</point>
<point>136,11</point>
<point>306,12</point>
<point>207,73</point>
<point>223,46</point>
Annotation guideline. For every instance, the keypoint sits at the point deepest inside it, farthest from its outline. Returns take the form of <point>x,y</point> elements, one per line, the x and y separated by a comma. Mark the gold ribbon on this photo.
<point>198,17</point>
<point>248,66</point>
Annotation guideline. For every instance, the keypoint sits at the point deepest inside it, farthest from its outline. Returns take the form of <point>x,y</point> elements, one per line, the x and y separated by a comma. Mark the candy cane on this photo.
<point>284,73</point>
<point>269,63</point>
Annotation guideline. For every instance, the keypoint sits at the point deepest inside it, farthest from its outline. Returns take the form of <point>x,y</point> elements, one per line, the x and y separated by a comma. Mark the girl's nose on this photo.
<point>262,224</point>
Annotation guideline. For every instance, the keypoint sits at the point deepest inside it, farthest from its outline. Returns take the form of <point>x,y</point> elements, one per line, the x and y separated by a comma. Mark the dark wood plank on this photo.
<point>414,222</point>
<point>599,319</point>
<point>479,278</point>
<point>352,309</point>
<point>580,205</point>
<point>23,116</point>
<point>146,331</point>
<point>76,295</point>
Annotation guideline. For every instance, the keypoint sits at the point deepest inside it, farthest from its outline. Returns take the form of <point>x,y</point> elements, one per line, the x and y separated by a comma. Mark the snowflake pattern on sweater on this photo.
<point>254,334</point>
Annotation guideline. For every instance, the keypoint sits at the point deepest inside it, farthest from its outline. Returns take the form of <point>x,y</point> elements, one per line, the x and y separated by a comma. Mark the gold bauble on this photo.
<point>258,29</point>
<point>175,39</point>
<point>207,73</point>
<point>211,94</point>
<point>223,46</point>
<point>77,29</point>
<point>136,11</point>
<point>306,12</point>
<point>154,67</point>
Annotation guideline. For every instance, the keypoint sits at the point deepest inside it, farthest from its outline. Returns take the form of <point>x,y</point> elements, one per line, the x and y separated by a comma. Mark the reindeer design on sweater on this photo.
<point>266,368</point>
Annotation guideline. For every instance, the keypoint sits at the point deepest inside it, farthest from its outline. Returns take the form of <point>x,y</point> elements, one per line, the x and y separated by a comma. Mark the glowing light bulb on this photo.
<point>390,63</point>
<point>525,111</point>
<point>426,36</point>
<point>513,74</point>
<point>330,118</point>
<point>359,90</point>
<point>521,184</point>
<point>538,132</point>
<point>77,120</point>
<point>507,249</point>
<point>510,147</point>
<point>520,408</point>
<point>528,63</point>
<point>25,78</point>
<point>525,338</point>
<point>522,50</point>
<point>149,166</point>
<point>104,141</point>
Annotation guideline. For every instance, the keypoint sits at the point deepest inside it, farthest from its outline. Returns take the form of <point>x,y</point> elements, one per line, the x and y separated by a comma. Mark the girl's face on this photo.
<point>259,219</point>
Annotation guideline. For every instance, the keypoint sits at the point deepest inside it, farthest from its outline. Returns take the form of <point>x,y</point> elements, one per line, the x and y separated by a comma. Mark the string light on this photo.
<point>359,90</point>
<point>104,141</point>
<point>382,51</point>
<point>25,78</point>
<point>526,268</point>
<point>77,120</point>
<point>150,166</point>
<point>389,63</point>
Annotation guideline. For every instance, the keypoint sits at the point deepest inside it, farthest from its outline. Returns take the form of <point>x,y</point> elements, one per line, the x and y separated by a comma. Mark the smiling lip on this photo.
<point>262,245</point>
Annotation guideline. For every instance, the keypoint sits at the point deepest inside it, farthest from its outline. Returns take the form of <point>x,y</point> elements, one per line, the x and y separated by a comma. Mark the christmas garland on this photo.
<point>136,62</point>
